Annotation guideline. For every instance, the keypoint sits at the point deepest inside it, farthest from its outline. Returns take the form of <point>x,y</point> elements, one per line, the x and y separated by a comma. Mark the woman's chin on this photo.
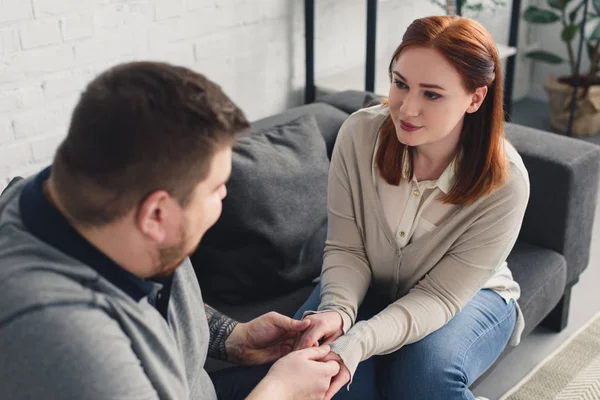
<point>406,139</point>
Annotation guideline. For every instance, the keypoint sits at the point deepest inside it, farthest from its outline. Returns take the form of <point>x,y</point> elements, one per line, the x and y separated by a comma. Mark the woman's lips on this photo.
<point>408,127</point>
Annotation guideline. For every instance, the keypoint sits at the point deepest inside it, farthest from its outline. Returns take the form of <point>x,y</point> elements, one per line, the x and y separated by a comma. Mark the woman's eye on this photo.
<point>432,95</point>
<point>400,84</point>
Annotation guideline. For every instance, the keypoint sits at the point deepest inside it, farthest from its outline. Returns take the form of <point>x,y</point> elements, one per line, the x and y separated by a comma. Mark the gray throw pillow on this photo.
<point>270,237</point>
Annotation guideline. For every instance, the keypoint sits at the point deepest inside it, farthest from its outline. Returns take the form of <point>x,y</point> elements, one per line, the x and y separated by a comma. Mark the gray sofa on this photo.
<point>554,244</point>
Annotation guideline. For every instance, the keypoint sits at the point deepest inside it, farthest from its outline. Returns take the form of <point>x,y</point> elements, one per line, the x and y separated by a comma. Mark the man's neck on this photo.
<point>115,240</point>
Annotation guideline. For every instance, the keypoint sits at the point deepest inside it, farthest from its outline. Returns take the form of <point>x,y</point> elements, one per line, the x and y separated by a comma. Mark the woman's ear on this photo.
<point>153,214</point>
<point>477,99</point>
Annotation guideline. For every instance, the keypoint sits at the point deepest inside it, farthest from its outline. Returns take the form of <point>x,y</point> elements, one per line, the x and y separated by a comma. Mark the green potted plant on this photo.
<point>470,6</point>
<point>569,15</point>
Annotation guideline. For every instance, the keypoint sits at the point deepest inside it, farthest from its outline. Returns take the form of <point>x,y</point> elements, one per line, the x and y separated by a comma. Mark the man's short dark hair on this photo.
<point>137,128</point>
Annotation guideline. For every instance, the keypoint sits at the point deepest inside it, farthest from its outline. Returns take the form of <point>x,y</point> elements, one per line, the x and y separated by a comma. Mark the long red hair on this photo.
<point>471,51</point>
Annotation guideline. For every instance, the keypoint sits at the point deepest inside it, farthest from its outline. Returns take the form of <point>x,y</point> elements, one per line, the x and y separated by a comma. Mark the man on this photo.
<point>98,299</point>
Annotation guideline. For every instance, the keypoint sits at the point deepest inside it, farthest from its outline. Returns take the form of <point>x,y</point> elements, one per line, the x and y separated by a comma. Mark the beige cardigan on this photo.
<point>430,279</point>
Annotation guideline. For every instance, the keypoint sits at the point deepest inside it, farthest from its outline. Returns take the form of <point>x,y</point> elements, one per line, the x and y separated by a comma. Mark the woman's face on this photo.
<point>427,99</point>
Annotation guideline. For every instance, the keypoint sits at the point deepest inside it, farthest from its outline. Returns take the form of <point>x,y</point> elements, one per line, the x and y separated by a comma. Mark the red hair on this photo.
<point>469,48</point>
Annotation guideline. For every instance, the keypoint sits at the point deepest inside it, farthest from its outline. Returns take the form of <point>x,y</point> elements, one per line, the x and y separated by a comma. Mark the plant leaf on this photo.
<point>536,15</point>
<point>592,29</point>
<point>474,7</point>
<point>596,4</point>
<point>595,35</point>
<point>569,32</point>
<point>544,56</point>
<point>573,13</point>
<point>558,4</point>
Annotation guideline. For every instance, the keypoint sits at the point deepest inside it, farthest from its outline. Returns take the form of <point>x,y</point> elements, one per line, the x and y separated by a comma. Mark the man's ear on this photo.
<point>477,99</point>
<point>153,214</point>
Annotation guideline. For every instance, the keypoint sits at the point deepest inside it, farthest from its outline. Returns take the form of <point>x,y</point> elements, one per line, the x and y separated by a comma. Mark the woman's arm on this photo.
<point>346,273</point>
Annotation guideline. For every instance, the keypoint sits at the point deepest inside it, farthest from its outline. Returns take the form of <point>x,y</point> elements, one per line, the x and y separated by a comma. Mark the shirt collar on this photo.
<point>49,225</point>
<point>448,178</point>
<point>446,181</point>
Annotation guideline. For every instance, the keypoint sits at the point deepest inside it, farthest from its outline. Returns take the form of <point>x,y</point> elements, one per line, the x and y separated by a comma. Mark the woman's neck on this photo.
<point>430,162</point>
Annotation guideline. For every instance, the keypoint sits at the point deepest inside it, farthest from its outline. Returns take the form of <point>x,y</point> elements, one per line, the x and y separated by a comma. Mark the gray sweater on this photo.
<point>73,330</point>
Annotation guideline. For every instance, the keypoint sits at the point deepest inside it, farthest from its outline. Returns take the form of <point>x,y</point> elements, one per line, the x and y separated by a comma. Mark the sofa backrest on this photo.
<point>329,119</point>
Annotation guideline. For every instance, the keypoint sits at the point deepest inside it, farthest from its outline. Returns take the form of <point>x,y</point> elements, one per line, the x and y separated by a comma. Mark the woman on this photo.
<point>426,199</point>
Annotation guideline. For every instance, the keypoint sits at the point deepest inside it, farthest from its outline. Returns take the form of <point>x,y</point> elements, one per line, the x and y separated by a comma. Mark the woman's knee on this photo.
<point>428,373</point>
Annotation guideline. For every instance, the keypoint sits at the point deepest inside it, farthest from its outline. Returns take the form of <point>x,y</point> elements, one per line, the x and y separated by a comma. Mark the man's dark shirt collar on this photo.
<point>49,225</point>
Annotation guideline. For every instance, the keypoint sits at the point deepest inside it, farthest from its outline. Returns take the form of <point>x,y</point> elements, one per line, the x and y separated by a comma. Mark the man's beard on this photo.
<point>171,257</point>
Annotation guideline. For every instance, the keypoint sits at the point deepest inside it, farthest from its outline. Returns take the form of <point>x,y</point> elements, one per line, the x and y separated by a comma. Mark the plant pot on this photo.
<point>587,110</point>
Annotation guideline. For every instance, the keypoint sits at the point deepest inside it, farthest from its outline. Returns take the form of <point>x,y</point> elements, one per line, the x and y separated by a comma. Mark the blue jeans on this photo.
<point>443,364</point>
<point>236,383</point>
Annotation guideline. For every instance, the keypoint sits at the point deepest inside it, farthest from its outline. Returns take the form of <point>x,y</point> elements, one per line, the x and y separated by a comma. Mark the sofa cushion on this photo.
<point>329,119</point>
<point>350,101</point>
<point>286,304</point>
<point>541,273</point>
<point>270,237</point>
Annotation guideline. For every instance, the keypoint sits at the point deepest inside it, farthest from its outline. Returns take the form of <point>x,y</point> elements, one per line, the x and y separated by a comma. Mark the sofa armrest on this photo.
<point>564,186</point>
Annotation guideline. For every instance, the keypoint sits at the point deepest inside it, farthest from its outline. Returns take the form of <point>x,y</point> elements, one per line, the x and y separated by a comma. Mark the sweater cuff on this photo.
<point>350,348</point>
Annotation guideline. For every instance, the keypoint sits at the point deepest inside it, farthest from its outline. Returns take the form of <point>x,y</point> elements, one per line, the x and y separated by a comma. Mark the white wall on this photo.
<point>254,49</point>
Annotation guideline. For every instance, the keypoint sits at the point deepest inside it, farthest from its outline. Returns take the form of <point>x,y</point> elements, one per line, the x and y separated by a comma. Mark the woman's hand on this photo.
<point>324,328</point>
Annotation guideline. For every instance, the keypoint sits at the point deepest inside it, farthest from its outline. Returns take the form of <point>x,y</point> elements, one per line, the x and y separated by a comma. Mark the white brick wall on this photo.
<point>14,10</point>
<point>40,33</point>
<point>77,27</point>
<point>6,131</point>
<point>254,49</point>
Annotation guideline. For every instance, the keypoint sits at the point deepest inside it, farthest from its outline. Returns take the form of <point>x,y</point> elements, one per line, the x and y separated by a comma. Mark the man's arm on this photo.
<point>220,327</point>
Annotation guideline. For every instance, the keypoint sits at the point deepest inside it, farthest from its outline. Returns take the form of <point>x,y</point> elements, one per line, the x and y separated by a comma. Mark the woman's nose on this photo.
<point>410,106</point>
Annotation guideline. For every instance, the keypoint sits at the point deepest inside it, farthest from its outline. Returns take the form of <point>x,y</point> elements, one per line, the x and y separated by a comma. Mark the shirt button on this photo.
<point>402,233</point>
<point>416,193</point>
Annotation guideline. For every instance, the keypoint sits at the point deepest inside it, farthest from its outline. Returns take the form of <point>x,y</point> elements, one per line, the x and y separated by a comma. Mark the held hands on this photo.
<point>313,372</point>
<point>300,375</point>
<point>342,377</point>
<point>324,328</point>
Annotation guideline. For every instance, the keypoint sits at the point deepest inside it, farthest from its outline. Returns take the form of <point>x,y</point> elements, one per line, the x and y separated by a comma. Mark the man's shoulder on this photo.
<point>35,276</point>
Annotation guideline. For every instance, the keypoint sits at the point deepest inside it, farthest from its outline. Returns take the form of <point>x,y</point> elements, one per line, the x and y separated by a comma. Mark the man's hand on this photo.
<point>264,339</point>
<point>342,378</point>
<point>324,329</point>
<point>301,375</point>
